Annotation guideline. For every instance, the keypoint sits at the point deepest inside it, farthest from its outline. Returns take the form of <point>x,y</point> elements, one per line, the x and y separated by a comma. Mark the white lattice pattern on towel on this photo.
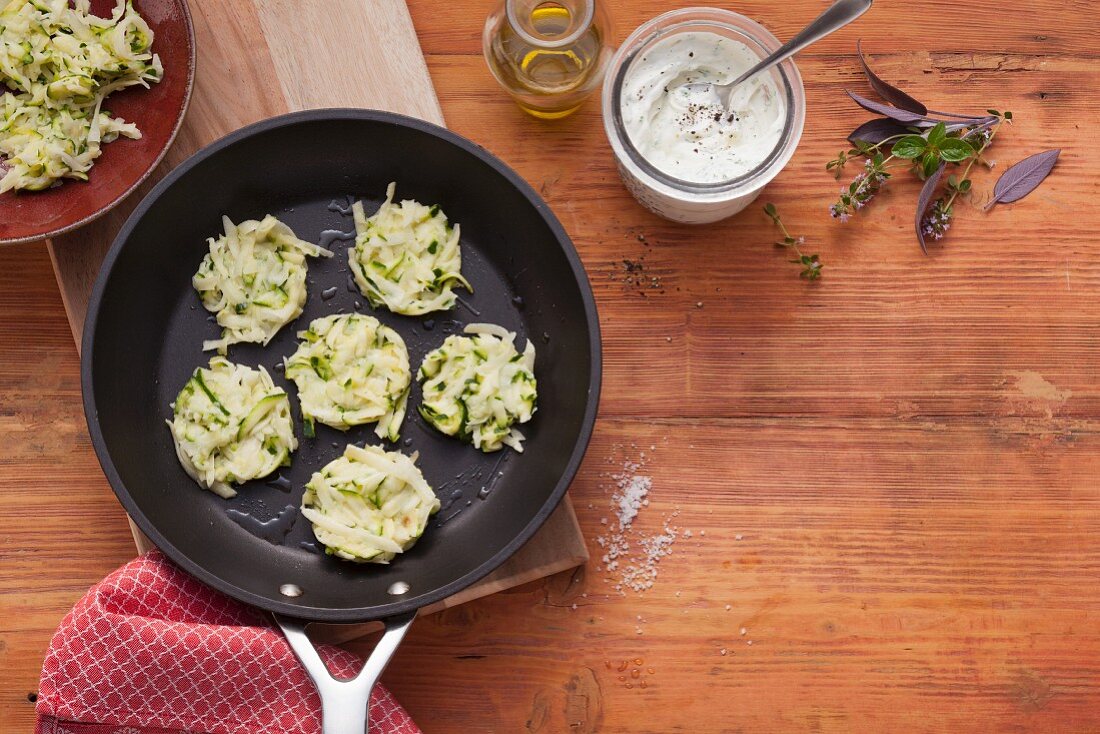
<point>150,650</point>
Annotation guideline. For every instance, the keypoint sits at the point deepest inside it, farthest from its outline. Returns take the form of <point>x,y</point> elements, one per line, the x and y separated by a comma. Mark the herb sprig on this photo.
<point>909,136</point>
<point>811,264</point>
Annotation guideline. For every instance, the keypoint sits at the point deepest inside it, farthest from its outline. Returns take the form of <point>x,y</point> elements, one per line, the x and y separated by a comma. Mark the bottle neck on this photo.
<point>550,23</point>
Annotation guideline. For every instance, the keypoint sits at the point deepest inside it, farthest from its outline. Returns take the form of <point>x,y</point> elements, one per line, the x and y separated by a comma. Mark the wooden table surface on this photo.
<point>890,477</point>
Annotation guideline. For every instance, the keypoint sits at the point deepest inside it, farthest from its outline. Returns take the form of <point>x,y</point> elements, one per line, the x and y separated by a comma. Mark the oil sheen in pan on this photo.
<point>462,477</point>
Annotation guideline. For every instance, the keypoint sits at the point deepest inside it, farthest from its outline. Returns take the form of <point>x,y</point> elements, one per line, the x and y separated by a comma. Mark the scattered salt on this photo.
<point>737,537</point>
<point>728,607</point>
<point>723,651</point>
<point>574,607</point>
<point>687,533</point>
<point>629,499</point>
<point>743,631</point>
<point>630,559</point>
<point>749,642</point>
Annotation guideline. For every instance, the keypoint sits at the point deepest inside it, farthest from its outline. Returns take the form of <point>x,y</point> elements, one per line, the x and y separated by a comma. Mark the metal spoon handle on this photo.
<point>839,15</point>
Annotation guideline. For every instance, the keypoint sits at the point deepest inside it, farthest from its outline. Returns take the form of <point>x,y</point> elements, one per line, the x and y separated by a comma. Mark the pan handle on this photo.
<point>345,703</point>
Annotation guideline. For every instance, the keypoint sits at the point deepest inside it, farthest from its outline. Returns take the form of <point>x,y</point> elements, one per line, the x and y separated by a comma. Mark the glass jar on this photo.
<point>685,201</point>
<point>549,55</point>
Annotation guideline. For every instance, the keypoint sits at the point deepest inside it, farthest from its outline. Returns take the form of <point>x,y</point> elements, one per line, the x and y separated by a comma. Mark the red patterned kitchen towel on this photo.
<point>150,650</point>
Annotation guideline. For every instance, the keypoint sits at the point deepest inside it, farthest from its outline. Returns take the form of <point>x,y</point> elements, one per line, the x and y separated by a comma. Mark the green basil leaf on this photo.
<point>910,147</point>
<point>930,163</point>
<point>955,150</point>
<point>937,134</point>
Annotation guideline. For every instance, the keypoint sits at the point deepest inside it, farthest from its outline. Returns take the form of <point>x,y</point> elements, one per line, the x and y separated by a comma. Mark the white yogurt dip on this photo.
<point>686,133</point>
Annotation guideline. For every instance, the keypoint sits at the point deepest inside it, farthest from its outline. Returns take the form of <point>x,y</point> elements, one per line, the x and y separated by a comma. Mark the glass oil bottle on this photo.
<point>548,54</point>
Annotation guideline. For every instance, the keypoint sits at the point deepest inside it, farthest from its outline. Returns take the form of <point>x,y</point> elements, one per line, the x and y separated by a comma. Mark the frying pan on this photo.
<point>143,338</point>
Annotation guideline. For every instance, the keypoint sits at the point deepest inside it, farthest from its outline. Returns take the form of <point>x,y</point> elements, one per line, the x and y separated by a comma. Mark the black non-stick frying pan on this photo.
<point>143,338</point>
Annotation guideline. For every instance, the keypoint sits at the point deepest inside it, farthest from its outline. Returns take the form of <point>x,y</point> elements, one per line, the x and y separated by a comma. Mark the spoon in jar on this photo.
<point>839,15</point>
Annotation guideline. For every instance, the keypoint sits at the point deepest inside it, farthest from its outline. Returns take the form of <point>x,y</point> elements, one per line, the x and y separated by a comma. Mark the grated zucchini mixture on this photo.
<point>59,63</point>
<point>369,504</point>
<point>477,387</point>
<point>231,424</point>
<point>406,257</point>
<point>254,280</point>
<point>350,370</point>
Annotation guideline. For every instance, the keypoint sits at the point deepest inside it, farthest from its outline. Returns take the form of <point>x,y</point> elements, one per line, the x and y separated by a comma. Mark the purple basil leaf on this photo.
<point>957,116</point>
<point>894,113</point>
<point>875,131</point>
<point>889,92</point>
<point>1021,179</point>
<point>925,199</point>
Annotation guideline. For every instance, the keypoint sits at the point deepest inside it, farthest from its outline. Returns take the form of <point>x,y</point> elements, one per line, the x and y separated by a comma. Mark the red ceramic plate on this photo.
<point>158,113</point>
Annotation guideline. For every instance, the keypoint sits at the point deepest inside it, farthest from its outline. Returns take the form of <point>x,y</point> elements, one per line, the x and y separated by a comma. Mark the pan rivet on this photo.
<point>290,590</point>
<point>397,588</point>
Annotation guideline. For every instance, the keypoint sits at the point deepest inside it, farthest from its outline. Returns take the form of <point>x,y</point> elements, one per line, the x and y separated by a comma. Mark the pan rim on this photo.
<point>330,614</point>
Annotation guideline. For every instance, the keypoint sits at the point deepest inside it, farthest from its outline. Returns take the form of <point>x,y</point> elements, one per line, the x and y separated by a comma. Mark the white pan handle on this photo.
<point>345,703</point>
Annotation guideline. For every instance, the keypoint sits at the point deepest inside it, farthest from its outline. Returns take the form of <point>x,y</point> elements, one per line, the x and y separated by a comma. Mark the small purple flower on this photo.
<point>979,138</point>
<point>937,220</point>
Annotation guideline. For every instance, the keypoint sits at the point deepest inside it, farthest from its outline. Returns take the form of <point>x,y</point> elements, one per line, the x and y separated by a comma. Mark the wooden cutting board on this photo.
<point>260,58</point>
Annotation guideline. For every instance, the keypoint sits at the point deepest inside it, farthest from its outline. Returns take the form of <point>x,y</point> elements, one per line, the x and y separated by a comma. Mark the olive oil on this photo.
<point>548,55</point>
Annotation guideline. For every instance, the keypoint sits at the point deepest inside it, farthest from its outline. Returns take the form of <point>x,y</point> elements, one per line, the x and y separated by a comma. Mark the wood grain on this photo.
<point>908,449</point>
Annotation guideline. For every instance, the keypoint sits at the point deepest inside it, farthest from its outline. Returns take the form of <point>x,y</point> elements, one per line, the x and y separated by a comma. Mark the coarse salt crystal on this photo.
<point>634,563</point>
<point>743,631</point>
<point>728,607</point>
<point>629,500</point>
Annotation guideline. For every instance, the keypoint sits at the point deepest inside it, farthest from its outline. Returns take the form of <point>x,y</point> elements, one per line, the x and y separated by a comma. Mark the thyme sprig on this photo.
<point>811,264</point>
